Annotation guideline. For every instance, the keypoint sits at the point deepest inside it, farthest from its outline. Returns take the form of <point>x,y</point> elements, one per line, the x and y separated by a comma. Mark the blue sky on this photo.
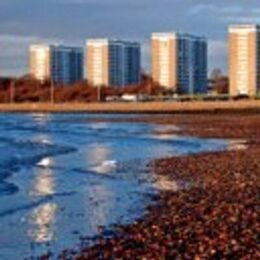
<point>72,21</point>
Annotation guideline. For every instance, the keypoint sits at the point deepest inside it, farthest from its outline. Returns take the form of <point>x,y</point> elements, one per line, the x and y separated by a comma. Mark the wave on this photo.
<point>107,166</point>
<point>94,174</point>
<point>45,162</point>
<point>17,153</point>
<point>8,188</point>
<point>34,204</point>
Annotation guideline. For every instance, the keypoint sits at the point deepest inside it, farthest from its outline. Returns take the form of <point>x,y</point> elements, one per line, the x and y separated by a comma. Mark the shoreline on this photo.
<point>165,107</point>
<point>215,218</point>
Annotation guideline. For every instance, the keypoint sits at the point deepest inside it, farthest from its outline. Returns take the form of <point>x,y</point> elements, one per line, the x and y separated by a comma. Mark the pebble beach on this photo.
<point>215,216</point>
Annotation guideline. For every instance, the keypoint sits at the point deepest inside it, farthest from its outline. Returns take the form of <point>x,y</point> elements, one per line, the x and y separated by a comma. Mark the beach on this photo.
<point>134,107</point>
<point>214,216</point>
<point>70,175</point>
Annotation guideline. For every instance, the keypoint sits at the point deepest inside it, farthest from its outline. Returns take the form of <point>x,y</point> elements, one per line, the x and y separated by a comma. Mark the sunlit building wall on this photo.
<point>244,59</point>
<point>61,64</point>
<point>179,62</point>
<point>112,62</point>
<point>40,61</point>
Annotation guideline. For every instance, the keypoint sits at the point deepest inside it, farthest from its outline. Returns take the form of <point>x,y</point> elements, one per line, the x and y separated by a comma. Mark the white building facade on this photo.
<point>113,62</point>
<point>61,64</point>
<point>179,62</point>
<point>244,59</point>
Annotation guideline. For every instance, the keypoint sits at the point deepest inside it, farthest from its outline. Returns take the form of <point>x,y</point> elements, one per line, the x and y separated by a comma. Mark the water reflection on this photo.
<point>41,119</point>
<point>235,145</point>
<point>98,126</point>
<point>99,159</point>
<point>101,197</point>
<point>98,153</point>
<point>102,201</point>
<point>42,219</point>
<point>44,183</point>
<point>43,138</point>
<point>165,184</point>
<point>166,128</point>
<point>161,136</point>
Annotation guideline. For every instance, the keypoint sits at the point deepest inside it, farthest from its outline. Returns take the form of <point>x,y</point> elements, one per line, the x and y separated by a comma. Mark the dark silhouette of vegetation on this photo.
<point>27,89</point>
<point>218,82</point>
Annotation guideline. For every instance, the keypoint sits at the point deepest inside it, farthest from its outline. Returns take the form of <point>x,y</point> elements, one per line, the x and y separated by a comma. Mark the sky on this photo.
<point>23,22</point>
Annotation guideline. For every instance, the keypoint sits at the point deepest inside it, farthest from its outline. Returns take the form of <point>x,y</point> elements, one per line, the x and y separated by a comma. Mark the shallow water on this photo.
<point>62,176</point>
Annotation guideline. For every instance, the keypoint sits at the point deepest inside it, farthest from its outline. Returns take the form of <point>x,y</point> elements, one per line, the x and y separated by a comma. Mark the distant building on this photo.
<point>113,62</point>
<point>40,61</point>
<point>179,62</point>
<point>244,59</point>
<point>63,65</point>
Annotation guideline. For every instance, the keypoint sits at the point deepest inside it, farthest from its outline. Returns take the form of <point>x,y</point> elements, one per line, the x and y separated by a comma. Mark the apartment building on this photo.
<point>112,62</point>
<point>61,64</point>
<point>179,62</point>
<point>244,59</point>
<point>40,61</point>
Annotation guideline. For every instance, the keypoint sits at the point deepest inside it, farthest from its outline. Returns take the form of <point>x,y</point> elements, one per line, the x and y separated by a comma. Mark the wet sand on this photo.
<point>134,107</point>
<point>216,217</point>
